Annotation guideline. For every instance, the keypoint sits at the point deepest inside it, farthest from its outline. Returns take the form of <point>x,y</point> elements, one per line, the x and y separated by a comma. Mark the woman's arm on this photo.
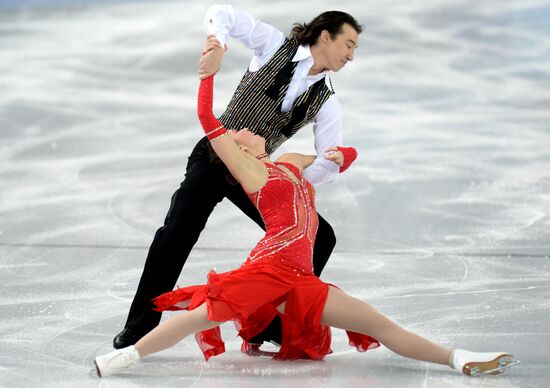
<point>250,173</point>
<point>341,156</point>
<point>299,160</point>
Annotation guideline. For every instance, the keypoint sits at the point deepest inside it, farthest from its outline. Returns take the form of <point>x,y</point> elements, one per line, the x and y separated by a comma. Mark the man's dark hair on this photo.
<point>332,21</point>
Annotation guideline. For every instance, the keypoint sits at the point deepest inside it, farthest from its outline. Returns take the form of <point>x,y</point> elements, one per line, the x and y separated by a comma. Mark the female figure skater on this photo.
<point>278,279</point>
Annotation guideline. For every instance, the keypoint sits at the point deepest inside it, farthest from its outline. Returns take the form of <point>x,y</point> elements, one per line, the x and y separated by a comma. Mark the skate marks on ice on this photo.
<point>442,222</point>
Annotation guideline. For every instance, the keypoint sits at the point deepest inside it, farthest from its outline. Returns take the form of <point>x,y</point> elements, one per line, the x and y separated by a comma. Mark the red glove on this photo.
<point>350,154</point>
<point>212,127</point>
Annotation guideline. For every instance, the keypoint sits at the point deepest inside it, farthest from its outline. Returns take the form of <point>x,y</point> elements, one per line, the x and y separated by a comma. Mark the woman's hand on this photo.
<point>342,156</point>
<point>211,59</point>
<point>334,155</point>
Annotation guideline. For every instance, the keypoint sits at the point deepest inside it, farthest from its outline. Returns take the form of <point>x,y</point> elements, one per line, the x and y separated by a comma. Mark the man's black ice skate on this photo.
<point>127,337</point>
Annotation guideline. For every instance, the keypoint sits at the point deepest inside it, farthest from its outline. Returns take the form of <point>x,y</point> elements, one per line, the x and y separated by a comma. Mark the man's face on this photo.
<point>341,50</point>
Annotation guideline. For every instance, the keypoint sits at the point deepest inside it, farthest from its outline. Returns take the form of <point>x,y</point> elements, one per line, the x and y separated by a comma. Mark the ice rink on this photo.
<point>443,222</point>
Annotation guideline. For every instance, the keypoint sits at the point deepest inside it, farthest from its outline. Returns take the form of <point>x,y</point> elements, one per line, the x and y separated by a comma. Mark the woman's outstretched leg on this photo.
<point>345,312</point>
<point>175,329</point>
<point>161,337</point>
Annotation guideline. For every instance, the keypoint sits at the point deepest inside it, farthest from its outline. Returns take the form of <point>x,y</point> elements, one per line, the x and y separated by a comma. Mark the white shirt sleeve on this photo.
<point>224,21</point>
<point>327,129</point>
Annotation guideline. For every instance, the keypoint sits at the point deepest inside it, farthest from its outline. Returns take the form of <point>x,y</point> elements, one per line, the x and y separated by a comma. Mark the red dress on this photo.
<point>279,269</point>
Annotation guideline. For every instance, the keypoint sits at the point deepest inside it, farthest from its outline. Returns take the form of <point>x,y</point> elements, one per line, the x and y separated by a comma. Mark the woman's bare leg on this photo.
<point>345,312</point>
<point>172,331</point>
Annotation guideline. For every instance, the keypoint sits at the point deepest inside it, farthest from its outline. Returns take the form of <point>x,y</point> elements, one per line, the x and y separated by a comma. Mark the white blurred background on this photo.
<point>442,223</point>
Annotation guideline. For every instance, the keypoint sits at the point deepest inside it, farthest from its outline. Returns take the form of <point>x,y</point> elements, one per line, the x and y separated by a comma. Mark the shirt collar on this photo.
<point>304,52</point>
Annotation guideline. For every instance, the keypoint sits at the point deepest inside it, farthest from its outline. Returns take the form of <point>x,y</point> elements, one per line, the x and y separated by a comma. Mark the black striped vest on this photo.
<point>256,104</point>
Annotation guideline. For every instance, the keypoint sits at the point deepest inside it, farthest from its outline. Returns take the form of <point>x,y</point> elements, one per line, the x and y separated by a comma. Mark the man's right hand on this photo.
<point>211,58</point>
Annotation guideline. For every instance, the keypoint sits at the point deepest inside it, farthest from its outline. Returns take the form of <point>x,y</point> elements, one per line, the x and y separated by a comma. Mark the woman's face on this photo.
<point>247,139</point>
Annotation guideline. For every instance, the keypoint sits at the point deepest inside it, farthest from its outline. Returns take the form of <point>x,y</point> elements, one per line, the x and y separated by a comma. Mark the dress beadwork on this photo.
<point>279,269</point>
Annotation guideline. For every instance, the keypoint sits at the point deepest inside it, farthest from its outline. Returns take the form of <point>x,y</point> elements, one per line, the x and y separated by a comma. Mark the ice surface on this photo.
<point>442,223</point>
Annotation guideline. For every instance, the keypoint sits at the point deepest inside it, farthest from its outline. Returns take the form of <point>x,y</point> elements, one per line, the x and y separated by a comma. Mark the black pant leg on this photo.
<point>203,187</point>
<point>325,240</point>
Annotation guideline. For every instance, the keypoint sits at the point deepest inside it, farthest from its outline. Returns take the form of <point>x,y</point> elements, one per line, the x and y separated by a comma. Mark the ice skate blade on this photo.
<point>258,352</point>
<point>493,367</point>
<point>255,351</point>
<point>97,371</point>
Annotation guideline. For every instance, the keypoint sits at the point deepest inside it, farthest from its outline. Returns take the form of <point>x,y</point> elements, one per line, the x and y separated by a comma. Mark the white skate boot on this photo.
<point>117,361</point>
<point>476,363</point>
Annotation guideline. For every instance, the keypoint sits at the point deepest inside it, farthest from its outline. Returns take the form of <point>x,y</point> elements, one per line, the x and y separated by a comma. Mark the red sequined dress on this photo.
<point>279,269</point>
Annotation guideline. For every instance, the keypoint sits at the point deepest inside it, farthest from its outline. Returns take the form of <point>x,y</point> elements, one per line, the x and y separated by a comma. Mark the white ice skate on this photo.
<point>477,364</point>
<point>117,361</point>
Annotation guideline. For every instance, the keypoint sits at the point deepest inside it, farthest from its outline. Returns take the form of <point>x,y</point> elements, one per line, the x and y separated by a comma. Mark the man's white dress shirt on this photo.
<point>223,21</point>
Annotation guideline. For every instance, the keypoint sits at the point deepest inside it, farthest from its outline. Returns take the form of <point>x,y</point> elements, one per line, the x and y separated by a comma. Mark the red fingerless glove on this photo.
<point>350,154</point>
<point>212,127</point>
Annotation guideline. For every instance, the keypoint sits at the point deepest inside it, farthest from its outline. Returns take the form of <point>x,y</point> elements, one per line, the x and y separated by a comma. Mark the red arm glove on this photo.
<point>350,154</point>
<point>212,127</point>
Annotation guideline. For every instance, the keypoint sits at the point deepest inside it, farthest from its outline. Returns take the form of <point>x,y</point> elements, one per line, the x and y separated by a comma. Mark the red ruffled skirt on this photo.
<point>249,297</point>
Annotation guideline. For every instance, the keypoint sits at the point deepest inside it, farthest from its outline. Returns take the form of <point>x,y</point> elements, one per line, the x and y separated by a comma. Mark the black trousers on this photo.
<point>207,182</point>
